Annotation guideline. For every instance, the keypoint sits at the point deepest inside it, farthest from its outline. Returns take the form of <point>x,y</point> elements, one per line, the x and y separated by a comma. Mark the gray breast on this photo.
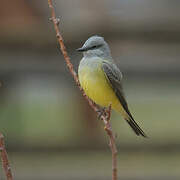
<point>93,63</point>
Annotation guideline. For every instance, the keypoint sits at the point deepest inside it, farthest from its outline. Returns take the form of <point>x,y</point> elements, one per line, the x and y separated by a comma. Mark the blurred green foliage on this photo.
<point>42,121</point>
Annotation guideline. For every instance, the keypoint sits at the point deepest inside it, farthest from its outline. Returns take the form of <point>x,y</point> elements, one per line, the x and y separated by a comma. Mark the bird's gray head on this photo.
<point>95,46</point>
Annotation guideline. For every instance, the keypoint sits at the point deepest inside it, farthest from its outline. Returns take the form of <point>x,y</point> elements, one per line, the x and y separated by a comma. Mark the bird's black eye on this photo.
<point>93,47</point>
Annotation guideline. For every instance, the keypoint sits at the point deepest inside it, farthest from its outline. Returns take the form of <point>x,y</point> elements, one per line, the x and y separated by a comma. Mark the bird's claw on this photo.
<point>101,112</point>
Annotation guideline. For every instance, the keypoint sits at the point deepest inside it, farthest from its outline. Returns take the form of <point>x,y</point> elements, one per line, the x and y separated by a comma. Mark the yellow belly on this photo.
<point>97,88</point>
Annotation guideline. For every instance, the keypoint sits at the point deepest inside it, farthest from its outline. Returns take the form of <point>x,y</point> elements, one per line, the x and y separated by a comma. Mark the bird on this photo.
<point>101,79</point>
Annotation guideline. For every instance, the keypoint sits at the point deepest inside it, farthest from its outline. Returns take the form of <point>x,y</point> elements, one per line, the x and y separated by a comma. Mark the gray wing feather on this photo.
<point>114,76</point>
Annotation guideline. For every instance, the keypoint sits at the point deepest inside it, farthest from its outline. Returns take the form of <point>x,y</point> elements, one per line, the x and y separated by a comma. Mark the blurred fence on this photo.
<point>40,105</point>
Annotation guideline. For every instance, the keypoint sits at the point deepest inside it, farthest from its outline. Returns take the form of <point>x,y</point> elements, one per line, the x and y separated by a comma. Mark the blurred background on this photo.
<point>49,129</point>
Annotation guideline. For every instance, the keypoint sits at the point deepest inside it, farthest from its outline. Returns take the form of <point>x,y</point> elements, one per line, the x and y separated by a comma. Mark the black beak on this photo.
<point>81,49</point>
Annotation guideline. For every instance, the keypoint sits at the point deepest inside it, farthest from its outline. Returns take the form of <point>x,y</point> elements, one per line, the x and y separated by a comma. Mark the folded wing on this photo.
<point>114,76</point>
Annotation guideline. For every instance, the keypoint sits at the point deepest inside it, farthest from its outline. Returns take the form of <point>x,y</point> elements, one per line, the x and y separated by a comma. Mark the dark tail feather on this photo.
<point>135,127</point>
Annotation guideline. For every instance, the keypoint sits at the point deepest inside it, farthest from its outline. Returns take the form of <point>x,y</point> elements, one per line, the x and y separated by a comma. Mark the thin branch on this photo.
<point>111,144</point>
<point>106,114</point>
<point>64,52</point>
<point>4,159</point>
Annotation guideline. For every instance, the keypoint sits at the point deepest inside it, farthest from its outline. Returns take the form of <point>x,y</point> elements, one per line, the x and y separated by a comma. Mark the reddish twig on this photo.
<point>111,143</point>
<point>4,159</point>
<point>106,114</point>
<point>64,52</point>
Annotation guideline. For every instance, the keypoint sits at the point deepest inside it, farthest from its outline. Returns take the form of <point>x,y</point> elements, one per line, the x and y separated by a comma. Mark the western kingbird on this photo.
<point>101,79</point>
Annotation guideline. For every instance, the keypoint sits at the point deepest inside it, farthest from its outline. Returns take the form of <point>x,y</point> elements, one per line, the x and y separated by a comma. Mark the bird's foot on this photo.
<point>101,112</point>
